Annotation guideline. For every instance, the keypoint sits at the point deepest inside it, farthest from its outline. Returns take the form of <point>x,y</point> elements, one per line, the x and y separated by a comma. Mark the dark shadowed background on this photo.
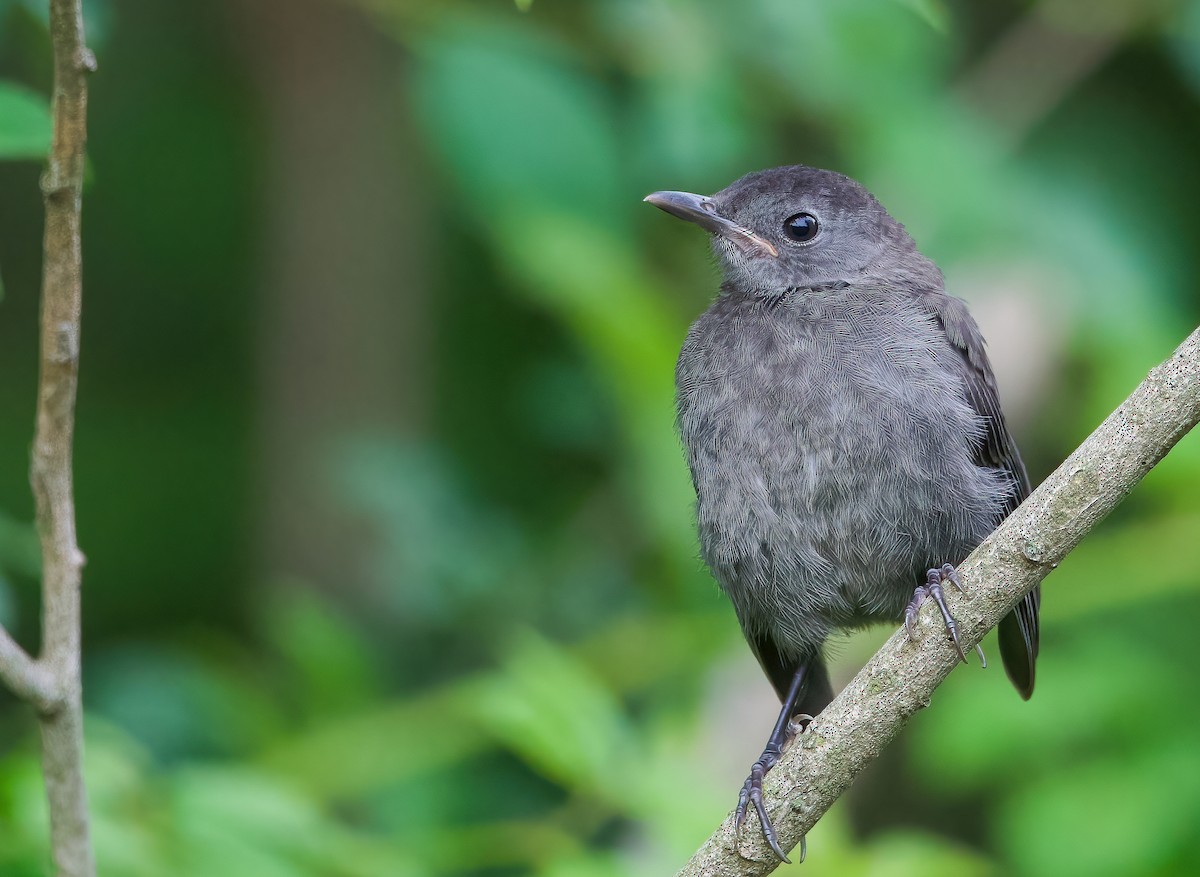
<point>391,567</point>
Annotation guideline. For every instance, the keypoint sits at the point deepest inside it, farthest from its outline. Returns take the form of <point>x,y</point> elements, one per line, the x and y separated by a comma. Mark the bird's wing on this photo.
<point>1019,630</point>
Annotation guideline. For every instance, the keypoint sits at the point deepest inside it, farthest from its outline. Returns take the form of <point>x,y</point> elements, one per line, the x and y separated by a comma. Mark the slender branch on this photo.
<point>50,467</point>
<point>901,678</point>
<point>27,678</point>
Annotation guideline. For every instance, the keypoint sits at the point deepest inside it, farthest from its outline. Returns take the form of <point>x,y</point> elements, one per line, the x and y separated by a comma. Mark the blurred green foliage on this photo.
<point>24,123</point>
<point>488,646</point>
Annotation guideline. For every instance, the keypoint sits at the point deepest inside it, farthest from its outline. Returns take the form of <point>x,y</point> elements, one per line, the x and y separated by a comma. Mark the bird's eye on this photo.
<point>801,228</point>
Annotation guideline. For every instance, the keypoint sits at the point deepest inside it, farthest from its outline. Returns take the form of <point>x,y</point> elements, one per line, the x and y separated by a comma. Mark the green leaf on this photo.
<point>550,709</point>
<point>24,123</point>
<point>369,749</point>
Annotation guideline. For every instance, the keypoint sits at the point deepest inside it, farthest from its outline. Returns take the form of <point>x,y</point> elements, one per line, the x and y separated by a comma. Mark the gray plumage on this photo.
<point>841,422</point>
<point>832,449</point>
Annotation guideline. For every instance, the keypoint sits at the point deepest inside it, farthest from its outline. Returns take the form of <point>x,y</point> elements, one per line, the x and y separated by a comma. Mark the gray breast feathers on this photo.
<point>819,416</point>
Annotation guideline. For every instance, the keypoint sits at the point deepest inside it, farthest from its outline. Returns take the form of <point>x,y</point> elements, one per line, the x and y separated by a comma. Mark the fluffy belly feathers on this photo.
<point>784,468</point>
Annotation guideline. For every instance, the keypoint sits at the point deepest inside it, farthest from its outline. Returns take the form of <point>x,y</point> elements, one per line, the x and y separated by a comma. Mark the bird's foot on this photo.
<point>933,590</point>
<point>752,793</point>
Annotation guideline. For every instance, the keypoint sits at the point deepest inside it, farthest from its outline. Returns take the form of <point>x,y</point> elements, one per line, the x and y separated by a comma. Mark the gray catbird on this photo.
<point>842,429</point>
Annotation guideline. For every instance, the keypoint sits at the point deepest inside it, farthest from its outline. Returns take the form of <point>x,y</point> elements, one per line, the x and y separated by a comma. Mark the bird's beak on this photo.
<point>702,211</point>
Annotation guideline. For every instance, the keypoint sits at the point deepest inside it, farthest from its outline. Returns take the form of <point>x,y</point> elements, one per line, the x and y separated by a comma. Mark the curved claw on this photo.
<point>768,829</point>
<point>949,574</point>
<point>932,590</point>
<point>757,772</point>
<point>751,794</point>
<point>910,611</point>
<point>799,724</point>
<point>739,815</point>
<point>935,591</point>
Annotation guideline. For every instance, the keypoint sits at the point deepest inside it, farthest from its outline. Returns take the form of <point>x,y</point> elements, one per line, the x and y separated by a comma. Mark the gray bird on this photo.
<point>842,429</point>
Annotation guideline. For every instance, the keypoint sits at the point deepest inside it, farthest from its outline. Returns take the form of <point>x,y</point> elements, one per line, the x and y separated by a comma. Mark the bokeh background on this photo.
<point>390,557</point>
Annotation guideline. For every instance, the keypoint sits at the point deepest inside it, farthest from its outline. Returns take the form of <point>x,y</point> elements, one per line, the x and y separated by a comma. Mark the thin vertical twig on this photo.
<point>50,468</point>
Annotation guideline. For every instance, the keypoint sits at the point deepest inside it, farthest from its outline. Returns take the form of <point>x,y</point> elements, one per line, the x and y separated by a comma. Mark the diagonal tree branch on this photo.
<point>901,678</point>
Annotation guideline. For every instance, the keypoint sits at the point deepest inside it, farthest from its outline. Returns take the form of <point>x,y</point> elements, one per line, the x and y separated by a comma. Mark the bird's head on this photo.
<point>794,227</point>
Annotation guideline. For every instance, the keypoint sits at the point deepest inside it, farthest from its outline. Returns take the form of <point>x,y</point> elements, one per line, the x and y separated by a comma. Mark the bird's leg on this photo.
<point>752,791</point>
<point>932,590</point>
